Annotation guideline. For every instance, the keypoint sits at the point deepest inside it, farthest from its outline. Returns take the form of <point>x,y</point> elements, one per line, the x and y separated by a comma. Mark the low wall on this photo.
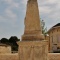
<point>54,56</point>
<point>51,56</point>
<point>9,57</point>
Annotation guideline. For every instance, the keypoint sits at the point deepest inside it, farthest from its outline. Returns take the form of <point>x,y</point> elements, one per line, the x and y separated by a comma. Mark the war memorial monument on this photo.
<point>32,46</point>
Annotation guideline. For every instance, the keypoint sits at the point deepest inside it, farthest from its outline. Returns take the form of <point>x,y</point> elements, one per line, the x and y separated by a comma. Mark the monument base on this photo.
<point>33,50</point>
<point>32,37</point>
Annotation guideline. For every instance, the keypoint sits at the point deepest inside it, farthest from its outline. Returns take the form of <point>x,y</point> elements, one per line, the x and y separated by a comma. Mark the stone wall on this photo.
<point>9,57</point>
<point>53,56</point>
<point>5,49</point>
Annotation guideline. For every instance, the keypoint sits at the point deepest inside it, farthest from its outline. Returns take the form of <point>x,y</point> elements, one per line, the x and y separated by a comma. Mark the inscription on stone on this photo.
<point>33,51</point>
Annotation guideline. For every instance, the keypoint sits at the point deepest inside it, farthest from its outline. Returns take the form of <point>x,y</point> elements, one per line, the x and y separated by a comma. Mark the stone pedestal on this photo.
<point>32,37</point>
<point>33,50</point>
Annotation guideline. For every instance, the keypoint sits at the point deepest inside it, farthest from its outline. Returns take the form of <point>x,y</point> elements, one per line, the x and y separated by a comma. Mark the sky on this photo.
<point>12,14</point>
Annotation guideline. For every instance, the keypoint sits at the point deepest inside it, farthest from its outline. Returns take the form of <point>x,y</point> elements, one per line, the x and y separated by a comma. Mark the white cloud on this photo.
<point>51,1</point>
<point>8,17</point>
<point>1,18</point>
<point>50,11</point>
<point>24,2</point>
<point>10,14</point>
<point>44,9</point>
<point>12,3</point>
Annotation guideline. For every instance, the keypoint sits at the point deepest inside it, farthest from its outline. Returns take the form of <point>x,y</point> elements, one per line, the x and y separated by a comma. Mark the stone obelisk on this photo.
<point>33,29</point>
<point>33,46</point>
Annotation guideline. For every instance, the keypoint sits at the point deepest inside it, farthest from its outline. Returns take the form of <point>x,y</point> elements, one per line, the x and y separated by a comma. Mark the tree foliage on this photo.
<point>12,41</point>
<point>44,29</point>
<point>4,40</point>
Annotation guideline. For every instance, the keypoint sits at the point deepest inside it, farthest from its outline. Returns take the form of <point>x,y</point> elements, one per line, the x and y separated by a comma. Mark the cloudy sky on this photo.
<point>12,13</point>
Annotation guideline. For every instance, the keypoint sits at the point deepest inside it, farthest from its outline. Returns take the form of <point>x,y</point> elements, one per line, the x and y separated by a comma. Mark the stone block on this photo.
<point>33,50</point>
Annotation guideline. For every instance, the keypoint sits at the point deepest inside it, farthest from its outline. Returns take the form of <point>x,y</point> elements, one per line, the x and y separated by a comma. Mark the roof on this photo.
<point>55,26</point>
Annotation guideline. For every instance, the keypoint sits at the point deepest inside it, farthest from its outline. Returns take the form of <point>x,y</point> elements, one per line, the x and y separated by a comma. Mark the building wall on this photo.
<point>54,39</point>
<point>5,49</point>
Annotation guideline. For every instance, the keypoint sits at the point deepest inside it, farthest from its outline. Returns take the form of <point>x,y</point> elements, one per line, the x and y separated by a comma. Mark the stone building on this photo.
<point>5,48</point>
<point>54,38</point>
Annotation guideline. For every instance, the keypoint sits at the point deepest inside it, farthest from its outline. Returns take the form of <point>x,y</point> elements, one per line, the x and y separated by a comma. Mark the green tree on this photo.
<point>13,39</point>
<point>4,40</point>
<point>13,42</point>
<point>44,29</point>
